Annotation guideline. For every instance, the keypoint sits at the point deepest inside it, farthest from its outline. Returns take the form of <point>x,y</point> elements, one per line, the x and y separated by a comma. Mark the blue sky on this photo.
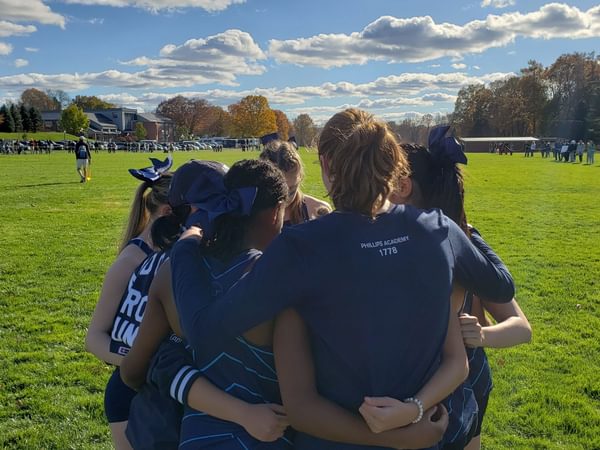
<point>392,57</point>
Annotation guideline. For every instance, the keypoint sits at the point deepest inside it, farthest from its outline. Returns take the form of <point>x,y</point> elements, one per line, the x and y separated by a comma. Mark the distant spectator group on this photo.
<point>570,151</point>
<point>563,150</point>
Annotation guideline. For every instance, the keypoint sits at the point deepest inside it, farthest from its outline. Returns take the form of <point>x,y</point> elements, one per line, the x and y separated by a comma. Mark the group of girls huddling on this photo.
<point>274,323</point>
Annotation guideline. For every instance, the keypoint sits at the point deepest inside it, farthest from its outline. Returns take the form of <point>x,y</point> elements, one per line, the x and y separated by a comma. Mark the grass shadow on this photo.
<point>46,184</point>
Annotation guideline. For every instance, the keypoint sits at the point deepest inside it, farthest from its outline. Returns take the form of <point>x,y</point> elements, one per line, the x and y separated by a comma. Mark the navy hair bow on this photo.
<point>213,199</point>
<point>445,151</point>
<point>154,172</point>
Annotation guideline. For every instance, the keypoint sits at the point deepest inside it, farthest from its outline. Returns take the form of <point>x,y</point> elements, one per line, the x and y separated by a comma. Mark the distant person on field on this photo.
<point>564,151</point>
<point>572,150</point>
<point>591,149</point>
<point>557,147</point>
<point>580,150</point>
<point>83,158</point>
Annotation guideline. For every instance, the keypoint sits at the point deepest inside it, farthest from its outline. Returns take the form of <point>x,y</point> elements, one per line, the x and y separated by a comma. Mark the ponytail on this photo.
<point>365,161</point>
<point>149,196</point>
<point>436,185</point>
<point>167,229</point>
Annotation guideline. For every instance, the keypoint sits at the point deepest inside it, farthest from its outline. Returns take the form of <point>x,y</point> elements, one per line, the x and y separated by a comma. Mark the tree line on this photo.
<point>561,100</point>
<point>252,116</point>
<point>19,118</point>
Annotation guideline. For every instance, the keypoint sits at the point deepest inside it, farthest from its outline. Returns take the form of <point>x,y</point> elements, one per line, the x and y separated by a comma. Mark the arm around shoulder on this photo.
<point>478,268</point>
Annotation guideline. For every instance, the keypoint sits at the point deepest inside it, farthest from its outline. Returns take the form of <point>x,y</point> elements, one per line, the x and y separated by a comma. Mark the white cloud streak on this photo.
<point>19,62</point>
<point>392,92</point>
<point>419,39</point>
<point>497,3</point>
<point>158,5</point>
<point>30,11</point>
<point>5,49</point>
<point>13,29</point>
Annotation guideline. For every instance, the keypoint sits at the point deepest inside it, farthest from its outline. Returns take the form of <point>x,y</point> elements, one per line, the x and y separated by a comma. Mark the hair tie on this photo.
<point>150,174</point>
<point>212,200</point>
<point>445,151</point>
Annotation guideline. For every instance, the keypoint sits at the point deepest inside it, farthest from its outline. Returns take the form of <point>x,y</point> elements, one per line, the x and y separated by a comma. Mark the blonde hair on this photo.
<point>148,198</point>
<point>285,156</point>
<point>365,161</point>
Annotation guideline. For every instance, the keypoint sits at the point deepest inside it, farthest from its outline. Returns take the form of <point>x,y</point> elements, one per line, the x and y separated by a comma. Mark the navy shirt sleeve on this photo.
<point>172,370</point>
<point>477,268</point>
<point>274,283</point>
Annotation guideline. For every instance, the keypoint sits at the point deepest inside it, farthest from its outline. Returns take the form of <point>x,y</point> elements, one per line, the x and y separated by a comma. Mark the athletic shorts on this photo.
<point>82,164</point>
<point>117,398</point>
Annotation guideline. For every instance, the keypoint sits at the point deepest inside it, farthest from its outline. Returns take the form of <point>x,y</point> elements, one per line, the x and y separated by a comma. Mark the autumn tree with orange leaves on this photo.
<point>252,117</point>
<point>283,124</point>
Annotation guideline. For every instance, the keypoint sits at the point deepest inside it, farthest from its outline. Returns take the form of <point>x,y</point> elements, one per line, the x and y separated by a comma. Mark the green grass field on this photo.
<point>58,237</point>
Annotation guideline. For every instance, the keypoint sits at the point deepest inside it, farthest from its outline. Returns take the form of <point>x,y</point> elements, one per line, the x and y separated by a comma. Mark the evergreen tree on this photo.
<point>25,119</point>
<point>17,120</point>
<point>4,114</point>
<point>8,125</point>
<point>35,118</point>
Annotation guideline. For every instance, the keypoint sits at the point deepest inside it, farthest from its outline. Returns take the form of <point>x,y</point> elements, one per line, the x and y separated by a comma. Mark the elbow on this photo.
<point>527,332</point>
<point>297,412</point>
<point>89,342</point>
<point>131,379</point>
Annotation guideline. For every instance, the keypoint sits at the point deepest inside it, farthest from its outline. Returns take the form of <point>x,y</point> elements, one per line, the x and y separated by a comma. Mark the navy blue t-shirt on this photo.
<point>374,294</point>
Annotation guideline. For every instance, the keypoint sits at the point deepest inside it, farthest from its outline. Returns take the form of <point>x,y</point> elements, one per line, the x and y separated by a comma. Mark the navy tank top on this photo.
<point>133,304</point>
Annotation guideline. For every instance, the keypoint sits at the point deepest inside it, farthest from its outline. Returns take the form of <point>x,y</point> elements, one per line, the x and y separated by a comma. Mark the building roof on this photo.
<point>100,119</point>
<point>499,139</point>
<point>151,117</point>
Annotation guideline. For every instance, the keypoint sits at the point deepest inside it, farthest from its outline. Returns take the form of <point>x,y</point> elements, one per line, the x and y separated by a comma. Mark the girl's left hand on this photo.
<point>472,331</point>
<point>385,413</point>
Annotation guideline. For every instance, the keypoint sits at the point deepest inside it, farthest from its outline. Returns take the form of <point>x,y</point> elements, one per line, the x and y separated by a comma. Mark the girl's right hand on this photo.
<point>472,331</point>
<point>265,422</point>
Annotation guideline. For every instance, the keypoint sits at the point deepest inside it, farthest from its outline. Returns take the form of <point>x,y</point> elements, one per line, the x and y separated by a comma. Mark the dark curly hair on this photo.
<point>230,229</point>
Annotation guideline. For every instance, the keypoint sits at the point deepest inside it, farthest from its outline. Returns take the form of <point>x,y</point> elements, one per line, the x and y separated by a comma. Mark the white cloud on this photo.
<point>459,66</point>
<point>19,62</point>
<point>32,49</point>
<point>5,49</point>
<point>476,67</point>
<point>12,29</point>
<point>30,11</point>
<point>419,39</point>
<point>219,58</point>
<point>216,59</point>
<point>418,90</point>
<point>157,5</point>
<point>498,3</point>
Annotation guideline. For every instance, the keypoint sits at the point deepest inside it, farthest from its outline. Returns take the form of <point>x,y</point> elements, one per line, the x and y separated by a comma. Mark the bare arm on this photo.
<point>453,370</point>
<point>312,414</point>
<point>97,340</point>
<point>511,328</point>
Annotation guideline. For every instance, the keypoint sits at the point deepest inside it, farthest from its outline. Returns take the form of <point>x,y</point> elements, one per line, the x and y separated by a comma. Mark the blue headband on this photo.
<point>154,172</point>
<point>213,200</point>
<point>445,151</point>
